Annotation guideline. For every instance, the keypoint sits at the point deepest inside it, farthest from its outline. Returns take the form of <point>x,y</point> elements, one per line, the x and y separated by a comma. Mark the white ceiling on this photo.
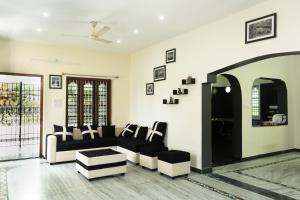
<point>19,19</point>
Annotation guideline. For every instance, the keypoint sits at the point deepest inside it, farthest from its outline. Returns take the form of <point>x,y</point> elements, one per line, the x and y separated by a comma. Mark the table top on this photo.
<point>98,153</point>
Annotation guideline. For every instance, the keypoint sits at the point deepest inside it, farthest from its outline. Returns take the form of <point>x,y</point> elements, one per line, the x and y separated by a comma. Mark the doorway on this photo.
<point>20,116</point>
<point>226,121</point>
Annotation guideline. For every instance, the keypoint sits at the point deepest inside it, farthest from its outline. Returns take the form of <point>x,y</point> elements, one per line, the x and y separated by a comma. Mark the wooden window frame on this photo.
<point>80,108</point>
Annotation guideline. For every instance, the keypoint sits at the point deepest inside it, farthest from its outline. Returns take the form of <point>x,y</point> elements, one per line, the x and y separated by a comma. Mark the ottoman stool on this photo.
<point>174,163</point>
<point>148,155</point>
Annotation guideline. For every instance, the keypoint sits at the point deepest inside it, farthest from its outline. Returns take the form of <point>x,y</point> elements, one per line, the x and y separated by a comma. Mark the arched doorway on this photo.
<point>226,123</point>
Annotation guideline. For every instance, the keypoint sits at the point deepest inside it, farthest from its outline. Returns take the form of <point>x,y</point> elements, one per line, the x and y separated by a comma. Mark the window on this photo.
<point>269,102</point>
<point>88,101</point>
<point>255,102</point>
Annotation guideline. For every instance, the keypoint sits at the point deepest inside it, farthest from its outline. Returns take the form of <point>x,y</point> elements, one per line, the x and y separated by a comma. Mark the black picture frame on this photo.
<point>55,81</point>
<point>171,56</point>
<point>159,73</point>
<point>263,25</point>
<point>149,88</point>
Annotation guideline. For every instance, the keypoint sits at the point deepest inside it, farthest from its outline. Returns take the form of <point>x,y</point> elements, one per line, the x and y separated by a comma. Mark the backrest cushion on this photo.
<point>129,130</point>
<point>89,132</point>
<point>108,131</point>
<point>157,133</point>
<point>63,134</point>
<point>141,132</point>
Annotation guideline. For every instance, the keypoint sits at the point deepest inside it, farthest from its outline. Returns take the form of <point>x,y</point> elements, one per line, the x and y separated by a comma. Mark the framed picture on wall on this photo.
<point>261,28</point>
<point>159,73</point>
<point>149,88</point>
<point>55,81</point>
<point>170,56</point>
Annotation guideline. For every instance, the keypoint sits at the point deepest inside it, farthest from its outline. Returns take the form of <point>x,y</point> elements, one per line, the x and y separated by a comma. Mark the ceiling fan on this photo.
<point>95,35</point>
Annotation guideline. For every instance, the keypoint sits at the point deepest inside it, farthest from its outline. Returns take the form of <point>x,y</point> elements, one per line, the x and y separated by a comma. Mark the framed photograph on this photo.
<point>171,56</point>
<point>55,81</point>
<point>261,28</point>
<point>149,88</point>
<point>159,73</point>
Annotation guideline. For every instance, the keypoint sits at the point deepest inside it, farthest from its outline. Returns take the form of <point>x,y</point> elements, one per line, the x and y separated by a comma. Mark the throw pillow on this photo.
<point>108,131</point>
<point>157,133</point>
<point>129,130</point>
<point>89,132</point>
<point>63,133</point>
<point>141,132</point>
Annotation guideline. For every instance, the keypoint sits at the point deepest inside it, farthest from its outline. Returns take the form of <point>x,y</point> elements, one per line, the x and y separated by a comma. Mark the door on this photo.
<point>20,117</point>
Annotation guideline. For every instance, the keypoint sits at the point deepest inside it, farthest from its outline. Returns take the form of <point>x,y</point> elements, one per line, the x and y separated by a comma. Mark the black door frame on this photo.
<point>206,104</point>
<point>41,103</point>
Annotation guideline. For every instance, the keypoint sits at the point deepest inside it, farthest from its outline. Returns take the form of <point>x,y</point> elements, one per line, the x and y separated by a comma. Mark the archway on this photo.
<point>226,123</point>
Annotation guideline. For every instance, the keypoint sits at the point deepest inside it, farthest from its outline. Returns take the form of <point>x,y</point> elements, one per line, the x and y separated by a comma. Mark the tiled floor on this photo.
<point>15,152</point>
<point>35,179</point>
<point>279,174</point>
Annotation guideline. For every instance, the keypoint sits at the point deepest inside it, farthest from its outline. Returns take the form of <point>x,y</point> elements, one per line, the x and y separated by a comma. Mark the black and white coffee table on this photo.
<point>99,163</point>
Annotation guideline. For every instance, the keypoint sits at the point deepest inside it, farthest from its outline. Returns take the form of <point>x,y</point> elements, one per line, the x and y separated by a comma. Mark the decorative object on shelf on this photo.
<point>188,81</point>
<point>180,91</point>
<point>149,88</point>
<point>170,56</point>
<point>55,81</point>
<point>171,100</point>
<point>159,73</point>
<point>261,28</point>
<point>175,101</point>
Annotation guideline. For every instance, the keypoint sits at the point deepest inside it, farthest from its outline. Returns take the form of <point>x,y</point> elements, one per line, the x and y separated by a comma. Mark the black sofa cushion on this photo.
<point>158,132</point>
<point>152,150</point>
<point>129,130</point>
<point>141,132</point>
<point>131,144</point>
<point>174,156</point>
<point>108,131</point>
<point>89,132</point>
<point>63,133</point>
<point>86,144</point>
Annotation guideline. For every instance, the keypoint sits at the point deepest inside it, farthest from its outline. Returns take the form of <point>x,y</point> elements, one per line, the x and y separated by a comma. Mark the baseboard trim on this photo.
<point>201,171</point>
<point>269,154</point>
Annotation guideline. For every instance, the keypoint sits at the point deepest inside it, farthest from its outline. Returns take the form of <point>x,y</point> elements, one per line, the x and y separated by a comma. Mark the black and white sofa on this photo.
<point>134,137</point>
<point>62,145</point>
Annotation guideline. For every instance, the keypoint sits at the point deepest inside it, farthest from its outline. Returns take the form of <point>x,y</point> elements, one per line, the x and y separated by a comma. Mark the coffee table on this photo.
<point>99,163</point>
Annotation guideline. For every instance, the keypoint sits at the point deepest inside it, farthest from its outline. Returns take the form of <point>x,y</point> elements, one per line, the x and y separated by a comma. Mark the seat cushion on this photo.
<point>152,150</point>
<point>86,144</point>
<point>174,156</point>
<point>131,144</point>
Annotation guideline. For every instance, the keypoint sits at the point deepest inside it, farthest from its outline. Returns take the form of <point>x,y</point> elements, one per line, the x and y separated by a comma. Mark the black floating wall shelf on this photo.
<point>183,91</point>
<point>186,82</point>
<point>165,101</point>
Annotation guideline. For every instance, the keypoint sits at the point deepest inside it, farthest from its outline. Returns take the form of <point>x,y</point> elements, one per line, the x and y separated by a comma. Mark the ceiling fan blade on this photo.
<point>102,31</point>
<point>102,40</point>
<point>73,35</point>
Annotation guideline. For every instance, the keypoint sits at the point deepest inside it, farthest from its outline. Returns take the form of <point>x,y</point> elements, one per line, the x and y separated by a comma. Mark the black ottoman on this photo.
<point>148,155</point>
<point>174,163</point>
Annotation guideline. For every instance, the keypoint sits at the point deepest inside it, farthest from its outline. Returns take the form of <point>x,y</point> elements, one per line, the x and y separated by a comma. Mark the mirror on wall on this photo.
<point>269,102</point>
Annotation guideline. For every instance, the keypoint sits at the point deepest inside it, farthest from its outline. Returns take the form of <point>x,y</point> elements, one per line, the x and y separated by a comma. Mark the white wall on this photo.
<point>261,140</point>
<point>18,57</point>
<point>199,52</point>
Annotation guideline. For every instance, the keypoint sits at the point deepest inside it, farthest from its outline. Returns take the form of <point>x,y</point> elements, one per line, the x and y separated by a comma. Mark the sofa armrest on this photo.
<point>51,148</point>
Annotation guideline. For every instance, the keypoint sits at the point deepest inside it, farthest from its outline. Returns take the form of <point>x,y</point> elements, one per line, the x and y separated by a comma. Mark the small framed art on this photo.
<point>159,73</point>
<point>261,28</point>
<point>55,81</point>
<point>149,88</point>
<point>170,56</point>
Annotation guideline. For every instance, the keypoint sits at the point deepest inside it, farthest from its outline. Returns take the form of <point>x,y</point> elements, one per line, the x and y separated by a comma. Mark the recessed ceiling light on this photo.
<point>161,18</point>
<point>118,41</point>
<point>39,30</point>
<point>136,31</point>
<point>45,14</point>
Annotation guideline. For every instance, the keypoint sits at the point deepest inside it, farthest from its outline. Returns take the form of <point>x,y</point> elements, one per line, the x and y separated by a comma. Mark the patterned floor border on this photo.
<point>3,184</point>
<point>240,171</point>
<point>211,188</point>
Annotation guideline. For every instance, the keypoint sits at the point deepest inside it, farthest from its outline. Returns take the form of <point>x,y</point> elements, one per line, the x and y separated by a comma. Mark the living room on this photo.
<point>54,40</point>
